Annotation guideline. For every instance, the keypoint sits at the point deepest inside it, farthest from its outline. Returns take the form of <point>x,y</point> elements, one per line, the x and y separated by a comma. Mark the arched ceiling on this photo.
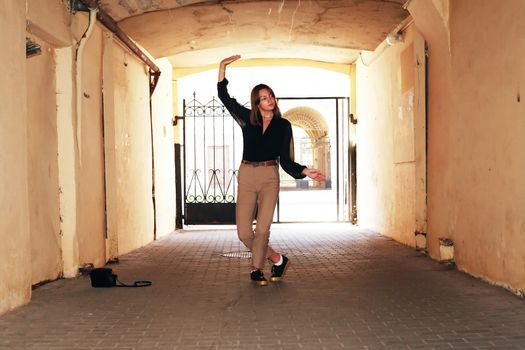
<point>198,32</point>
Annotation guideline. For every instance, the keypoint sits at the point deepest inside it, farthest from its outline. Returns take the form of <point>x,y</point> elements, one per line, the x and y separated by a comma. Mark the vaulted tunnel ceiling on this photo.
<point>199,32</point>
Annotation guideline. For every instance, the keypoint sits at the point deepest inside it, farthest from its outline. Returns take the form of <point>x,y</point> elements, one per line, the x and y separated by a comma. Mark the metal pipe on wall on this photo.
<point>112,25</point>
<point>78,78</point>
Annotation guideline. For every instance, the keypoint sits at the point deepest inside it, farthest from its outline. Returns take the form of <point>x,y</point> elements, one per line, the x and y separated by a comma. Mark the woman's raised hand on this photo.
<point>224,63</point>
<point>229,60</point>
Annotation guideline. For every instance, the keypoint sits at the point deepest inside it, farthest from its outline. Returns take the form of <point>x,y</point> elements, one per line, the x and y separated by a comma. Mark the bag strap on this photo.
<point>136,284</point>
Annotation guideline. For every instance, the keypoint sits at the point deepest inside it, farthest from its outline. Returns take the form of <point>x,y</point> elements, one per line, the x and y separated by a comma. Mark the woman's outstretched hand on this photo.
<point>229,60</point>
<point>314,174</point>
<point>224,63</point>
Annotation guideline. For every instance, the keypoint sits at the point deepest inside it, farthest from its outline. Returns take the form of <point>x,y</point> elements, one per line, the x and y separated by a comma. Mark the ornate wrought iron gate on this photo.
<point>211,142</point>
<point>212,146</point>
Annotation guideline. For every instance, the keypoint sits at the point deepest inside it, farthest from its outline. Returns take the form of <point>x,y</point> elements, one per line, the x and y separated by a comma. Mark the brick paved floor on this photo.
<point>346,289</point>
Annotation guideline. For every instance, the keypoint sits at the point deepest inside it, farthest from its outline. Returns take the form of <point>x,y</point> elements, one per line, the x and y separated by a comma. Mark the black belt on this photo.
<point>263,163</point>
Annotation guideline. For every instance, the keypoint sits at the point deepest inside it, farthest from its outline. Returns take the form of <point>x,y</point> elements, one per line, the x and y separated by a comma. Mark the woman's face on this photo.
<point>266,101</point>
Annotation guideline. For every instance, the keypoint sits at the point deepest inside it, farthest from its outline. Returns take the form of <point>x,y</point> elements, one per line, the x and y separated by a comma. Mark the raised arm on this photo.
<point>240,113</point>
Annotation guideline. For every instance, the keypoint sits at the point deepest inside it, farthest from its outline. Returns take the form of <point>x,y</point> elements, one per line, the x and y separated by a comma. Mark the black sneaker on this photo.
<point>258,277</point>
<point>279,271</point>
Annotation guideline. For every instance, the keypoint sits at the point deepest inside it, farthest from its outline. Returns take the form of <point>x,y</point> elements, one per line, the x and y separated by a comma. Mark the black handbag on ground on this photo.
<point>103,277</point>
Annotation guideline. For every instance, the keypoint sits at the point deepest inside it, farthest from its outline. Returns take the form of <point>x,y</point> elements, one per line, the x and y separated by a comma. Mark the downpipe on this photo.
<point>78,78</point>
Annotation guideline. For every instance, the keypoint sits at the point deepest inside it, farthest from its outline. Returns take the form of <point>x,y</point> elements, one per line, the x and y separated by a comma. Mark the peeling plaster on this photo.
<point>329,31</point>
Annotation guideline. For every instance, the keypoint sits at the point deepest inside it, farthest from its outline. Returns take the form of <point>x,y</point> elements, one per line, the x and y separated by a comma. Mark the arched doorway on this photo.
<point>315,150</point>
<point>321,137</point>
<point>212,147</point>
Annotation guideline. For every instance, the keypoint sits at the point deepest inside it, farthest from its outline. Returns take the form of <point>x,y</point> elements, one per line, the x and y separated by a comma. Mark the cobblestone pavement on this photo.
<point>347,288</point>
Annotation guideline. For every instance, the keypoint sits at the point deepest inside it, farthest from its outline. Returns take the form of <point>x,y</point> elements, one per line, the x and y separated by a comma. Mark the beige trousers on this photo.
<point>258,191</point>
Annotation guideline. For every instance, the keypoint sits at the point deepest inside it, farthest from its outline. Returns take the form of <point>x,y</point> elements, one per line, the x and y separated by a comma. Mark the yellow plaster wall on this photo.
<point>428,19</point>
<point>128,150</point>
<point>353,88</point>
<point>15,250</point>
<point>60,225</point>
<point>90,216</point>
<point>46,256</point>
<point>110,137</point>
<point>476,126</point>
<point>50,20</point>
<point>164,159</point>
<point>65,114</point>
<point>390,94</point>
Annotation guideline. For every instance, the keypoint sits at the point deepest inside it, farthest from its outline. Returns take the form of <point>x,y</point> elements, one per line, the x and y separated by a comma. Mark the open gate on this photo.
<point>212,153</point>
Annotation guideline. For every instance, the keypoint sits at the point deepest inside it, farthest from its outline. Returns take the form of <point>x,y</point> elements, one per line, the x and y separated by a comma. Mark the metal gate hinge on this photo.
<point>176,118</point>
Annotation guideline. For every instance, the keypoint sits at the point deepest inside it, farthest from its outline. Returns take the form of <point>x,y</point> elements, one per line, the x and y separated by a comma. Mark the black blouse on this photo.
<point>275,143</point>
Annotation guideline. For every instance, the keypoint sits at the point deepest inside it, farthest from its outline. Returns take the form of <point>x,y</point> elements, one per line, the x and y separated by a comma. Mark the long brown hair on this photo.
<point>255,115</point>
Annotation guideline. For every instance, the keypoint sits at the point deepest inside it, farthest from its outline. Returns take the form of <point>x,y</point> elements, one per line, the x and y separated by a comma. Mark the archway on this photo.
<point>320,138</point>
<point>314,125</point>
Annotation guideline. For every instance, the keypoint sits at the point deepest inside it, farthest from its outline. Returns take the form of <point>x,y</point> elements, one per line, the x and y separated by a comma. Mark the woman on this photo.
<point>268,142</point>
